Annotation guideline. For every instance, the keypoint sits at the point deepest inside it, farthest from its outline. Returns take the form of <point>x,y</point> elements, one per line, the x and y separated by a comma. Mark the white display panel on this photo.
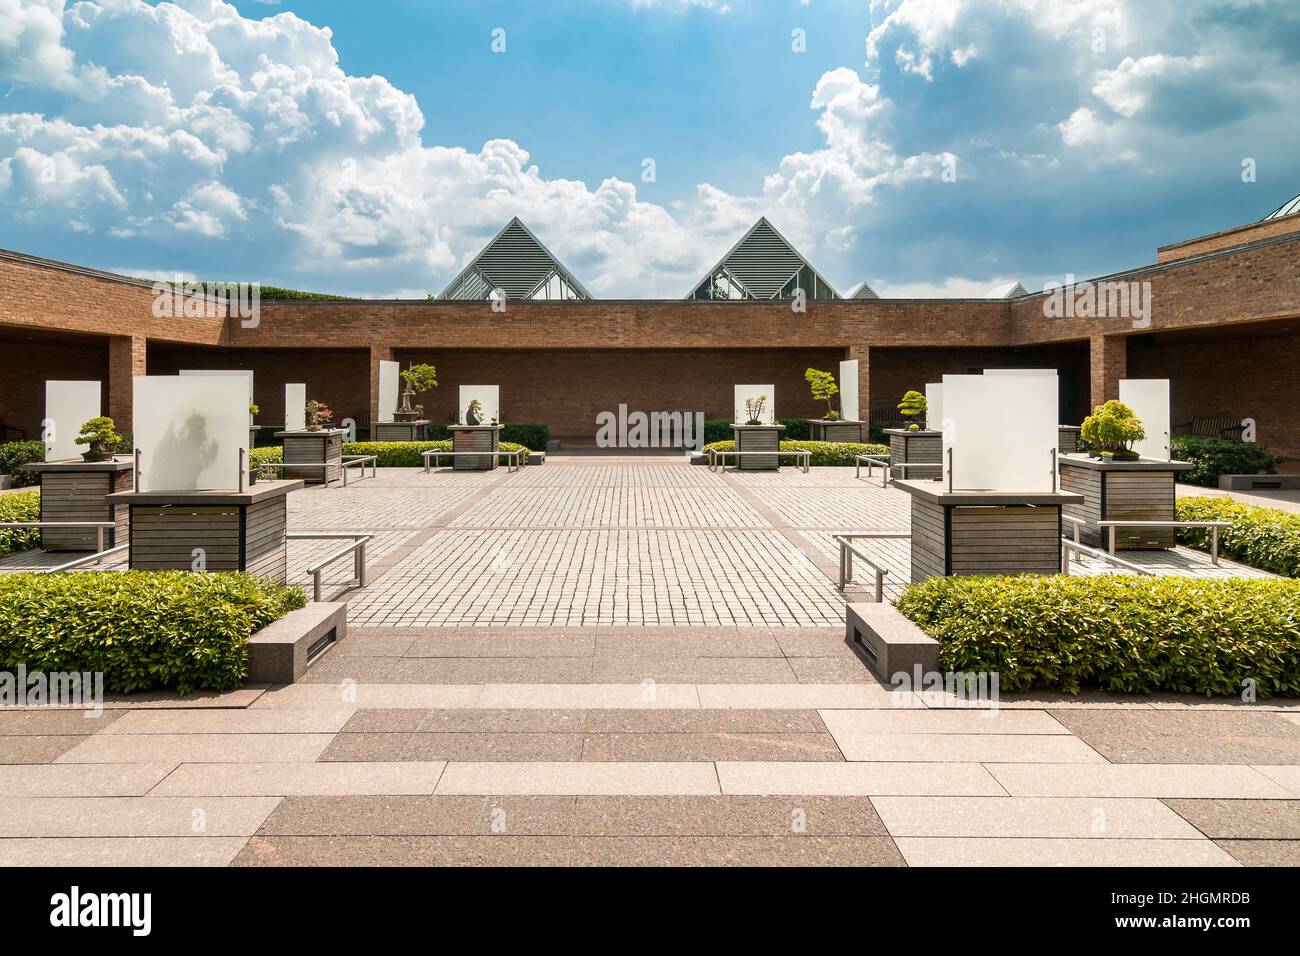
<point>849,410</point>
<point>1020,371</point>
<point>189,430</point>
<point>227,372</point>
<point>295,407</point>
<point>1149,399</point>
<point>933,406</point>
<point>1001,430</point>
<point>389,384</point>
<point>744,392</point>
<point>489,396</point>
<point>68,406</point>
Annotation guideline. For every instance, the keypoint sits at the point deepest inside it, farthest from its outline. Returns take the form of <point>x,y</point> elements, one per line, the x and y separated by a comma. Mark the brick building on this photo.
<point>1223,325</point>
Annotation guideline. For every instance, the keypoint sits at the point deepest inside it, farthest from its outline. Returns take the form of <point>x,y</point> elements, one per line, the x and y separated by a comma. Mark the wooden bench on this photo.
<point>1210,426</point>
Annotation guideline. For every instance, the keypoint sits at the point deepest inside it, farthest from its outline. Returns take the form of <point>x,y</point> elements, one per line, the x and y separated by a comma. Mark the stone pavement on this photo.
<point>603,663</point>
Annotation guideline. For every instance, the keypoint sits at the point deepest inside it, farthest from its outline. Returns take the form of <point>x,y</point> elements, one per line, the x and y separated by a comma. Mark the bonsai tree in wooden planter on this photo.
<point>823,387</point>
<point>754,409</point>
<point>1111,430</point>
<point>100,435</point>
<point>318,415</point>
<point>474,413</point>
<point>418,378</point>
<point>913,406</point>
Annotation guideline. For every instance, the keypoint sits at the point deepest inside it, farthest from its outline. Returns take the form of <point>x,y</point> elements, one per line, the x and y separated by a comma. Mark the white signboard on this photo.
<point>849,410</point>
<point>933,406</point>
<point>217,371</point>
<point>743,392</point>
<point>68,406</point>
<point>389,379</point>
<point>189,431</point>
<point>1001,430</point>
<point>295,407</point>
<point>489,396</point>
<point>1020,371</point>
<point>1149,399</point>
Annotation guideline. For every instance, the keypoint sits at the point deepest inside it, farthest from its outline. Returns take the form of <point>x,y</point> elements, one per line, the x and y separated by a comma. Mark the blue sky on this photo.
<point>930,147</point>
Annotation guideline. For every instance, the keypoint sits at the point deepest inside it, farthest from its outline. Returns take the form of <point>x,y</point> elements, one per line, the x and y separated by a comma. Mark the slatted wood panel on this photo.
<point>232,537</point>
<point>1141,496</point>
<point>916,448</point>
<point>1086,482</point>
<point>401,431</point>
<point>79,496</point>
<point>928,537</point>
<point>486,440</point>
<point>764,439</point>
<point>1117,495</point>
<point>836,431</point>
<point>314,449</point>
<point>1067,441</point>
<point>1009,539</point>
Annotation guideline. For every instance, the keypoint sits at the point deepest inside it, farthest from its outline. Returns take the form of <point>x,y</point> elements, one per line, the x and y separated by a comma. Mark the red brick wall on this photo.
<point>565,390</point>
<point>895,371</point>
<point>338,377</point>
<point>1253,378</point>
<point>27,366</point>
<point>1255,232</point>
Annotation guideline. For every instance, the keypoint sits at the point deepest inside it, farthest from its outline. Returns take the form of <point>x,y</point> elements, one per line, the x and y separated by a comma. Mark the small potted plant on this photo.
<point>474,413</point>
<point>1111,430</point>
<point>418,378</point>
<point>823,387</point>
<point>754,409</point>
<point>318,415</point>
<point>913,406</point>
<point>253,409</point>
<point>100,435</point>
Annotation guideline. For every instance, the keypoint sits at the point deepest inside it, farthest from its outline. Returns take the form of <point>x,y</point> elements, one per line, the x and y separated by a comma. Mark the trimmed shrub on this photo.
<point>141,629</point>
<point>1213,457</point>
<point>19,506</point>
<point>272,454</point>
<point>405,454</point>
<point>15,454</point>
<point>1120,633</point>
<point>838,453</point>
<point>1264,538</point>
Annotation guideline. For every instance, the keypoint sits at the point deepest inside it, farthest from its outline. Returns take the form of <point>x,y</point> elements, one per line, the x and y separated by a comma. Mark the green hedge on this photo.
<point>405,454</point>
<point>141,629</point>
<point>1264,538</point>
<point>15,454</point>
<point>528,434</point>
<point>19,506</point>
<point>823,452</point>
<point>1121,633</point>
<point>269,455</point>
<point>1213,457</point>
<point>719,429</point>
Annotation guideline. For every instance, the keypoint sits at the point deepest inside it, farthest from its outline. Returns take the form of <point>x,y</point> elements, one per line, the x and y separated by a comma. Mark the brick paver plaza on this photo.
<point>602,661</point>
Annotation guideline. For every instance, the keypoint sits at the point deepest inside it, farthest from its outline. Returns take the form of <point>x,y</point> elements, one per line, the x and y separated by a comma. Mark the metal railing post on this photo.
<point>135,472</point>
<point>1214,545</point>
<point>1111,540</point>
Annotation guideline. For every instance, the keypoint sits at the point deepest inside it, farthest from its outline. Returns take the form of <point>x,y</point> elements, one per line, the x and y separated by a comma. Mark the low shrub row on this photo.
<point>140,629</point>
<point>824,453</point>
<point>19,506</point>
<point>1119,633</point>
<point>406,454</point>
<point>272,454</point>
<point>528,434</point>
<point>1212,457</point>
<point>15,454</point>
<point>1264,538</point>
<point>719,429</point>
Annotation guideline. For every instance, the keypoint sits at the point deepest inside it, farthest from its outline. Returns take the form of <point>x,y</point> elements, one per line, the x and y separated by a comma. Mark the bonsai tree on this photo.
<point>318,415</point>
<point>418,378</point>
<point>754,409</point>
<point>822,385</point>
<point>913,406</point>
<point>1112,429</point>
<point>474,414</point>
<point>253,409</point>
<point>100,435</point>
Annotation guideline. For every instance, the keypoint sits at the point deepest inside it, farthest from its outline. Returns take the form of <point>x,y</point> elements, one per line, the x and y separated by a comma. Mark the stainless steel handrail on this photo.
<point>848,550</point>
<point>99,526</point>
<point>1214,526</point>
<point>356,547</point>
